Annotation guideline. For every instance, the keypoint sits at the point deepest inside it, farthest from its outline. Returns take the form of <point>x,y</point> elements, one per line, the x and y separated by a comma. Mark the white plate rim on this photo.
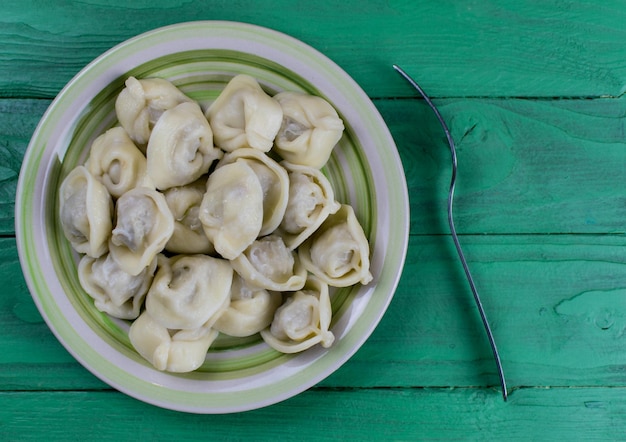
<point>231,35</point>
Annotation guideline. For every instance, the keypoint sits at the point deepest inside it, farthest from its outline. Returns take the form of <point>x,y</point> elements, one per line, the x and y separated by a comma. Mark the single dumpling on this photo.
<point>231,211</point>
<point>85,209</point>
<point>310,129</point>
<point>114,291</point>
<point>251,309</point>
<point>274,184</point>
<point>180,149</point>
<point>189,291</point>
<point>144,225</point>
<point>188,236</point>
<point>269,264</point>
<point>140,104</point>
<point>311,201</point>
<point>170,350</point>
<point>338,252</point>
<point>303,320</point>
<point>117,162</point>
<point>244,116</point>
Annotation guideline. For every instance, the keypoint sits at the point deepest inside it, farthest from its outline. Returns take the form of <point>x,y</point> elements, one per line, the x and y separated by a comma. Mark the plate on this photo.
<point>200,58</point>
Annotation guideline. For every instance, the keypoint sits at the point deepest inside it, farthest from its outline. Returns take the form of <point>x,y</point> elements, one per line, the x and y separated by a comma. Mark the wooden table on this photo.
<point>534,96</point>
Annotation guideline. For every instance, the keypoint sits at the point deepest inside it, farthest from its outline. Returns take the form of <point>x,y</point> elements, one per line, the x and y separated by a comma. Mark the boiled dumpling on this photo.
<point>231,211</point>
<point>244,116</point>
<point>269,264</point>
<point>174,351</point>
<point>151,186</point>
<point>180,148</point>
<point>141,103</point>
<point>117,162</point>
<point>310,129</point>
<point>114,291</point>
<point>189,291</point>
<point>338,252</point>
<point>144,225</point>
<point>188,236</point>
<point>303,320</point>
<point>85,209</point>
<point>311,201</point>
<point>274,184</point>
<point>251,309</point>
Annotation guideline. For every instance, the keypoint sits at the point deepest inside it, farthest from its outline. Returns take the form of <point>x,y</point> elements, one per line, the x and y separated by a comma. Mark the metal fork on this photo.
<point>455,237</point>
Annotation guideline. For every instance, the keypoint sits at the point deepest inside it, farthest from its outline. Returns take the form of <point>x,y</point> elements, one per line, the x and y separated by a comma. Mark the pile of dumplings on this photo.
<point>192,223</point>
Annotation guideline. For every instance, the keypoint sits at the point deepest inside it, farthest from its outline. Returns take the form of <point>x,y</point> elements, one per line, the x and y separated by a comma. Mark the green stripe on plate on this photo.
<point>365,172</point>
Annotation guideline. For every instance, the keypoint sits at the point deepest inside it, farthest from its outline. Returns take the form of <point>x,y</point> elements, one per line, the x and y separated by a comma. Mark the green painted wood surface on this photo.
<point>558,317</point>
<point>527,158</point>
<point>534,95</point>
<point>473,48</point>
<point>410,414</point>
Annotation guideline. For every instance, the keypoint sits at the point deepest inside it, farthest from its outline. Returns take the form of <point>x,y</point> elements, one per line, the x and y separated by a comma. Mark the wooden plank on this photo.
<point>328,415</point>
<point>503,49</point>
<point>552,166</point>
<point>556,304</point>
<point>18,119</point>
<point>521,163</point>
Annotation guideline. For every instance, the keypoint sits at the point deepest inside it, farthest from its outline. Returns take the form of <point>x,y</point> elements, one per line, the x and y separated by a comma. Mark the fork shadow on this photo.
<point>443,289</point>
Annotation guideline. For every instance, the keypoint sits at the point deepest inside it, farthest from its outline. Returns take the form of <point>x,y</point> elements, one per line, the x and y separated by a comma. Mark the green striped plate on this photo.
<point>200,57</point>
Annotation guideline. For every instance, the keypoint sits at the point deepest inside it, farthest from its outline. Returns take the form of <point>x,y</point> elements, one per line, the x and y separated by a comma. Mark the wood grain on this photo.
<point>524,166</point>
<point>534,95</point>
<point>556,305</point>
<point>18,119</point>
<point>364,414</point>
<point>471,49</point>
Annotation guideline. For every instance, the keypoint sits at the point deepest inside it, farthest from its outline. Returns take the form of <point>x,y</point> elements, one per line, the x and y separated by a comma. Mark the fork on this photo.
<point>455,237</point>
